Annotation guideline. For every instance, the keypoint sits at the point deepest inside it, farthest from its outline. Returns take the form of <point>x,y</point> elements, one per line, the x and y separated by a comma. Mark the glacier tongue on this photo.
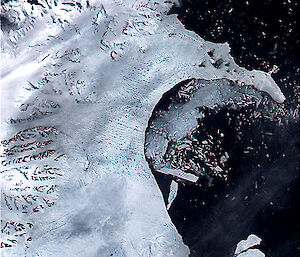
<point>80,84</point>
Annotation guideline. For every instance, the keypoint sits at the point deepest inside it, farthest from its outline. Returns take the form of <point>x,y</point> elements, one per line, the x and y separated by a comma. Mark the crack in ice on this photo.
<point>106,70</point>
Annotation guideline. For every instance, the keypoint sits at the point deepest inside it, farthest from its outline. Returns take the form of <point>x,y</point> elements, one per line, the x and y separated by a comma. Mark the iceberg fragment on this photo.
<point>78,87</point>
<point>245,247</point>
<point>172,194</point>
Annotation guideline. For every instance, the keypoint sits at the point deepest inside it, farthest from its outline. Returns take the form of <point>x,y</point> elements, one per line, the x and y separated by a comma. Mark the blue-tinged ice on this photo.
<point>79,81</point>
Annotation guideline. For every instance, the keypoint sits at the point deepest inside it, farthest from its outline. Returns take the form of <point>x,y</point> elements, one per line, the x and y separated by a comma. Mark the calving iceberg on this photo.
<point>79,82</point>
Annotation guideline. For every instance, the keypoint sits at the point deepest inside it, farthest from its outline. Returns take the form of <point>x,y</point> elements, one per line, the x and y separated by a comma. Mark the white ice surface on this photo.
<point>106,65</point>
<point>181,119</point>
<point>172,193</point>
<point>252,240</point>
<point>179,174</point>
<point>252,253</point>
<point>242,248</point>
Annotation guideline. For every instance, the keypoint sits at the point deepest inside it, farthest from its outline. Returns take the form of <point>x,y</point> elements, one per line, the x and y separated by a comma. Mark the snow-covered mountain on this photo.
<point>79,81</point>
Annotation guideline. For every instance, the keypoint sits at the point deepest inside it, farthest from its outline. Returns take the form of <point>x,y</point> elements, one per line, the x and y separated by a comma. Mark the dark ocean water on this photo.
<point>262,194</point>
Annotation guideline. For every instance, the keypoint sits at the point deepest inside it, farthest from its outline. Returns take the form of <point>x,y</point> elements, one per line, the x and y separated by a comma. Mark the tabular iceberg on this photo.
<point>79,82</point>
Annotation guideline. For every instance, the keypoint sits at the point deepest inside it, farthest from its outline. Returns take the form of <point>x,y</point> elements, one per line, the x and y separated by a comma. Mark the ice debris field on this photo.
<point>79,82</point>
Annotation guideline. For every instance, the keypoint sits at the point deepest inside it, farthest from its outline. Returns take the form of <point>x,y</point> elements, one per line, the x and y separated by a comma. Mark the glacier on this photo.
<point>79,82</point>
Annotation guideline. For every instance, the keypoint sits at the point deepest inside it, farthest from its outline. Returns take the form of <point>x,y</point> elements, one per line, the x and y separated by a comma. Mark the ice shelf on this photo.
<point>78,86</point>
